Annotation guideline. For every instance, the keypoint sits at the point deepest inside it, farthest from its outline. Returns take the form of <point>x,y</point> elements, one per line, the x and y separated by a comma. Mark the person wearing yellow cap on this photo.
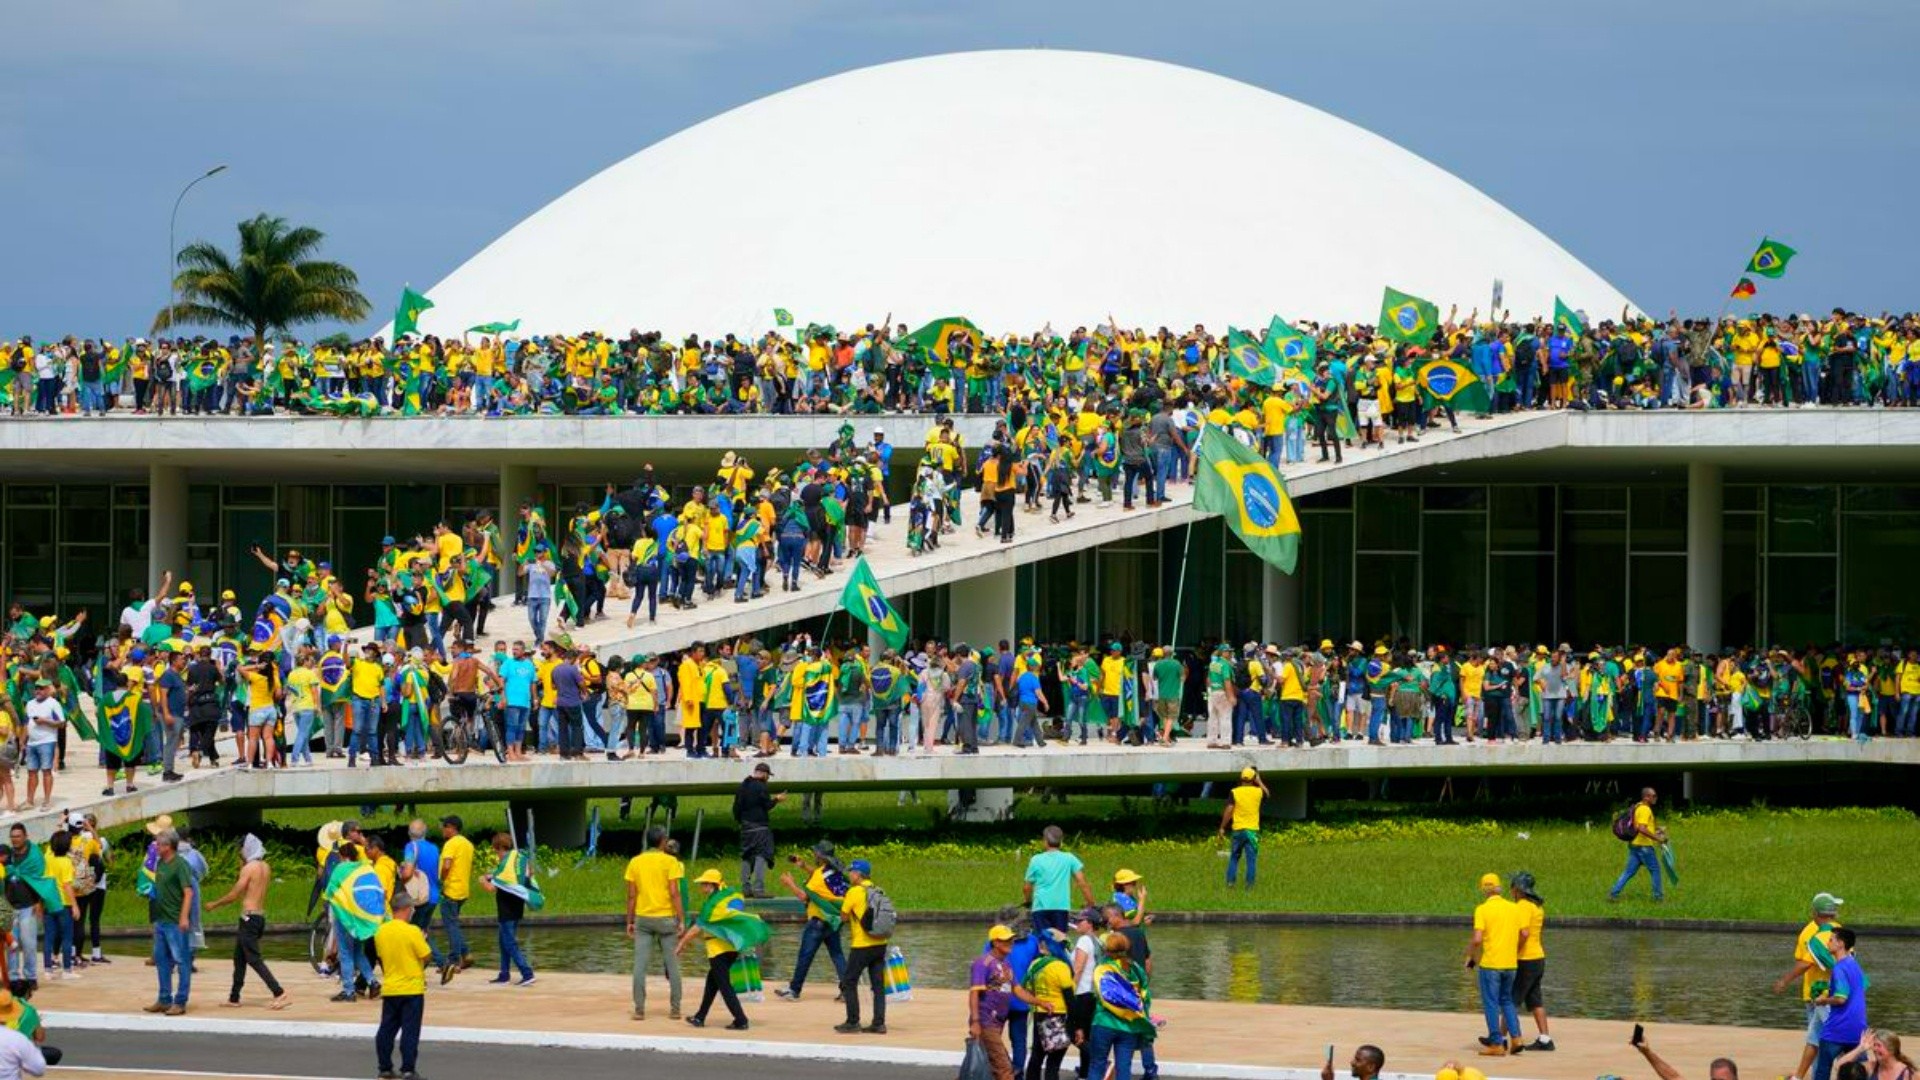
<point>1130,896</point>
<point>1241,818</point>
<point>989,999</point>
<point>1495,950</point>
<point>724,922</point>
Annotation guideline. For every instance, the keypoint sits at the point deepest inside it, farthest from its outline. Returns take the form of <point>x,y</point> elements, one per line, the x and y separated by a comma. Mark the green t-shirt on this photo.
<point>171,880</point>
<point>1167,677</point>
<point>1219,674</point>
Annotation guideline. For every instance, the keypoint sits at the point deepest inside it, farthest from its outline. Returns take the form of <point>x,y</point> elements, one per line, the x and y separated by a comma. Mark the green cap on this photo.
<point>1826,904</point>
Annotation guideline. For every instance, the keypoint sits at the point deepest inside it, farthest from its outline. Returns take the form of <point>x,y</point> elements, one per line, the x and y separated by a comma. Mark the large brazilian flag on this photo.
<point>1442,379</point>
<point>1242,487</point>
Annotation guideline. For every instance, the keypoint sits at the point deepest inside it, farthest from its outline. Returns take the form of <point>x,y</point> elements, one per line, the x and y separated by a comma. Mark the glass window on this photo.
<point>304,513</point>
<point>203,514</point>
<point>131,495</point>
<point>1245,603</point>
<point>1800,600</point>
<point>1881,594</point>
<point>1659,518</point>
<point>83,513</point>
<point>84,580</point>
<point>1454,564</point>
<point>1521,518</point>
<point>1060,606</point>
<point>1340,498</point>
<point>414,509</point>
<point>1740,497</point>
<point>1198,609</point>
<point>363,496</point>
<point>1800,520</point>
<point>1519,601</point>
<point>248,495</point>
<point>1389,518</point>
<point>1593,566</point>
<point>1592,497</point>
<point>1129,594</point>
<point>464,499</point>
<point>29,549</point>
<point>1325,574</point>
<point>1454,497</point>
<point>1657,600</point>
<point>30,494</point>
<point>1740,579</point>
<point>1387,596</point>
<point>1881,497</point>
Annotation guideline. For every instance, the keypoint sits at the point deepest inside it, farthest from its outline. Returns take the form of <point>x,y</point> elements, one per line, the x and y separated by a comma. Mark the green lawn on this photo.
<point>1754,864</point>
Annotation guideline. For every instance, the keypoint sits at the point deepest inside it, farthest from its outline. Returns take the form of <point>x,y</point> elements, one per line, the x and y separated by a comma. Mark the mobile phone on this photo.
<point>1329,1053</point>
<point>1639,1036</point>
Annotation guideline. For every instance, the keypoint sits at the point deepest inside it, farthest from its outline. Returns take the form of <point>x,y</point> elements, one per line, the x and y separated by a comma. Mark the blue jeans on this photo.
<point>791,550</point>
<point>366,730</point>
<point>172,957</point>
<point>1553,720</point>
<point>1106,1042</point>
<point>812,938</point>
<point>510,954</point>
<point>355,964</point>
<point>886,728</point>
<point>809,740</point>
<point>1909,715</point>
<point>1377,712</point>
<point>456,937</point>
<point>437,631</point>
<point>516,725</point>
<point>1246,845</point>
<point>537,617</point>
<point>91,400</point>
<point>1856,719</point>
<point>853,717</point>
<point>1162,469</point>
<point>59,939</point>
<point>24,962</point>
<point>549,733</point>
<point>746,564</point>
<point>1496,1002</point>
<point>1639,855</point>
<point>1076,715</point>
<point>1824,1058</point>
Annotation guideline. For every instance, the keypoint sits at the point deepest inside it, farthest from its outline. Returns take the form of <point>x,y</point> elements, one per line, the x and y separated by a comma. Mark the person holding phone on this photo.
<point>1721,1068</point>
<point>1367,1062</point>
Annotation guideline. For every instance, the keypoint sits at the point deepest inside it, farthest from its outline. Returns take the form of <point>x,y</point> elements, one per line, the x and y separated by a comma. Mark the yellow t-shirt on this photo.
<point>714,677</point>
<point>1290,688</point>
<point>303,685</point>
<point>456,868</point>
<point>817,886</point>
<point>403,952</point>
<point>1667,675</point>
<point>543,672</point>
<point>1533,919</point>
<point>388,872</point>
<point>369,679</point>
<point>1803,954</point>
<point>1471,676</point>
<point>1113,671</point>
<point>447,546</point>
<point>1498,921</point>
<point>1909,677</point>
<point>1643,817</point>
<point>655,876</point>
<point>852,907</point>
<point>1051,984</point>
<point>1246,807</point>
<point>60,871</point>
<point>259,690</point>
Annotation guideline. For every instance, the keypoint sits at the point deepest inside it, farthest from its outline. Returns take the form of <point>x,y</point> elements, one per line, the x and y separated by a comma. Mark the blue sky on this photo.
<point>1655,140</point>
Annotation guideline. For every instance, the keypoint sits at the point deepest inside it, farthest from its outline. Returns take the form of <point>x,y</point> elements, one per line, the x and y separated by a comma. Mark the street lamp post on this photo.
<point>173,217</point>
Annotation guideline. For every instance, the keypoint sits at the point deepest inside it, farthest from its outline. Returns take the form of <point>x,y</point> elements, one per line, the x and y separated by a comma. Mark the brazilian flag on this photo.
<point>1442,379</point>
<point>495,327</point>
<point>1568,319</point>
<point>818,700</point>
<point>1407,318</point>
<point>406,315</point>
<point>864,601</point>
<point>357,898</point>
<point>1247,360</point>
<point>202,373</point>
<point>1242,487</point>
<point>1770,260</point>
<point>725,916</point>
<point>937,337</point>
<point>31,868</point>
<point>1290,348</point>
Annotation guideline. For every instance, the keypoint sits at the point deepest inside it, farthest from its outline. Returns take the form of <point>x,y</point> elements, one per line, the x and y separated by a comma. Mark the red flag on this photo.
<point>1744,290</point>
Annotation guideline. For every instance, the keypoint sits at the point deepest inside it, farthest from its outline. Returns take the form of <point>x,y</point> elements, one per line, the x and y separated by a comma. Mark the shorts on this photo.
<point>1526,984</point>
<point>262,716</point>
<point>40,756</point>
<point>1816,1019</point>
<point>1166,709</point>
<point>114,762</point>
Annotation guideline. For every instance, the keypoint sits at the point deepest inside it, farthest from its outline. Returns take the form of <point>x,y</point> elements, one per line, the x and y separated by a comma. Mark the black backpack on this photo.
<point>1623,827</point>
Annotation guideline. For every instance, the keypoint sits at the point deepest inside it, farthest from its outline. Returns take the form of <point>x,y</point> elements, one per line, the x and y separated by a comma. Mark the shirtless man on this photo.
<point>250,888</point>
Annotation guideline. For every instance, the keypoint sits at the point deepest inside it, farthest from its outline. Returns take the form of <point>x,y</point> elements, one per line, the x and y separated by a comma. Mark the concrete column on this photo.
<point>1289,799</point>
<point>980,610</point>
<point>1704,521</point>
<point>558,823</point>
<point>1279,607</point>
<point>167,525</point>
<point>518,483</point>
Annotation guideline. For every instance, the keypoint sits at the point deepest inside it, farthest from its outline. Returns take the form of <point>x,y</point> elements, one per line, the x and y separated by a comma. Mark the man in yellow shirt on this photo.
<point>1647,834</point>
<point>655,916</point>
<point>1242,816</point>
<point>456,885</point>
<point>866,953</point>
<point>369,680</point>
<point>1495,950</point>
<point>1533,957</point>
<point>403,952</point>
<point>1811,961</point>
<point>689,687</point>
<point>1668,673</point>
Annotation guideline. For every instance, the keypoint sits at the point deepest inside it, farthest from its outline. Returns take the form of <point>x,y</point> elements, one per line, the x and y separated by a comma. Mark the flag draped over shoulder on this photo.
<point>1444,379</point>
<point>725,916</point>
<point>864,601</point>
<point>406,316</point>
<point>358,899</point>
<point>515,876</point>
<point>1118,991</point>
<point>32,869</point>
<point>1407,318</point>
<point>271,619</point>
<point>818,700</point>
<point>1243,487</point>
<point>1770,259</point>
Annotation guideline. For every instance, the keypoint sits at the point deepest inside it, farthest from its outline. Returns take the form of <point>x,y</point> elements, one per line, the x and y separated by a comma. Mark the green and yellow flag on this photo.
<point>1290,348</point>
<point>486,327</point>
<point>1443,379</point>
<point>864,601</point>
<point>1770,260</point>
<point>1243,487</point>
<point>725,916</point>
<point>782,317</point>
<point>1407,318</point>
<point>938,335</point>
<point>1247,360</point>
<point>406,317</point>
<point>1568,319</point>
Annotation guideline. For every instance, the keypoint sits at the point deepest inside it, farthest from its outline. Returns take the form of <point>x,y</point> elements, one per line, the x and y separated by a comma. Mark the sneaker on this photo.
<point>498,980</point>
<point>847,1029</point>
<point>528,981</point>
<point>344,996</point>
<point>411,1076</point>
<point>1543,1043</point>
<point>874,1029</point>
<point>785,994</point>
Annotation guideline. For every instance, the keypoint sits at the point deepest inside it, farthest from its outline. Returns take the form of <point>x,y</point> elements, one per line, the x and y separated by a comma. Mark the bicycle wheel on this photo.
<point>317,939</point>
<point>453,742</point>
<point>1799,721</point>
<point>496,738</point>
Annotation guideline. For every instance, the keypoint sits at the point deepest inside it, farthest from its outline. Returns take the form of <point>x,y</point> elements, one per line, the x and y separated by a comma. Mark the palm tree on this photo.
<point>273,284</point>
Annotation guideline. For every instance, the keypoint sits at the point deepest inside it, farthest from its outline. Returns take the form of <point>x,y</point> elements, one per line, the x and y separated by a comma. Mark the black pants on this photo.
<point>1003,514</point>
<point>871,959</point>
<point>458,616</point>
<point>246,954</point>
<point>572,739</point>
<point>720,984</point>
<point>1042,1064</point>
<point>400,1016</point>
<point>1324,433</point>
<point>91,906</point>
<point>481,604</point>
<point>1080,1020</point>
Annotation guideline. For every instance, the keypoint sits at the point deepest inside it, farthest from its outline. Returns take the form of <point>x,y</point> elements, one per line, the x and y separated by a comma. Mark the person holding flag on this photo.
<point>514,890</point>
<point>728,930</point>
<point>357,900</point>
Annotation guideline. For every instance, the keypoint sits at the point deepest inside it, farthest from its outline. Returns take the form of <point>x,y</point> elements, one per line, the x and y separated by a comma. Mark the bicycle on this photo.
<point>453,741</point>
<point>319,944</point>
<point>1795,720</point>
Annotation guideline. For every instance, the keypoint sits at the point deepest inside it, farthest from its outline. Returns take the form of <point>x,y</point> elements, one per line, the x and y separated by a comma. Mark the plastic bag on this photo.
<point>974,1064</point>
<point>899,979</point>
<point>745,976</point>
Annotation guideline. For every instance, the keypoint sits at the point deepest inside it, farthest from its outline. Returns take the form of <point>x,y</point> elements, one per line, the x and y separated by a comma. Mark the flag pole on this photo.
<point>1180,593</point>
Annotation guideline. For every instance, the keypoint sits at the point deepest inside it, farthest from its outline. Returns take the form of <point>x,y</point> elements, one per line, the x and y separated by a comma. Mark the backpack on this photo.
<point>857,679</point>
<point>1623,824</point>
<point>84,881</point>
<point>880,917</point>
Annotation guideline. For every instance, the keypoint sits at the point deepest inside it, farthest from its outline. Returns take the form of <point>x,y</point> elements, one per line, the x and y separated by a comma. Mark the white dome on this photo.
<point>1016,188</point>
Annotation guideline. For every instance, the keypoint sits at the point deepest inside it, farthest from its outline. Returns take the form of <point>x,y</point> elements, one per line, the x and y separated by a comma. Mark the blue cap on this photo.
<point>861,867</point>
<point>386,541</point>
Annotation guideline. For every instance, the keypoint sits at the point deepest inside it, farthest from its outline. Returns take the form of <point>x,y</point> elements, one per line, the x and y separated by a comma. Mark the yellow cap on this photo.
<point>186,586</point>
<point>1247,773</point>
<point>1487,881</point>
<point>712,877</point>
<point>999,933</point>
<point>1326,643</point>
<point>1124,876</point>
<point>1379,650</point>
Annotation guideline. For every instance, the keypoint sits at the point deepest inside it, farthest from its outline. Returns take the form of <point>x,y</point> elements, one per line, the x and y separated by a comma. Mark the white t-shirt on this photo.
<point>137,617</point>
<point>1089,948</point>
<point>43,718</point>
<point>18,1056</point>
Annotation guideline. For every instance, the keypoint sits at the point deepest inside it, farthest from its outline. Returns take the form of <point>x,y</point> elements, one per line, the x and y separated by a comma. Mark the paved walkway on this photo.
<point>1210,1039</point>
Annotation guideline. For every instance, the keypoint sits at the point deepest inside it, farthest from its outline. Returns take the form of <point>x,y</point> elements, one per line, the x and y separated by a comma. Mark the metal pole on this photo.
<point>174,217</point>
<point>1180,592</point>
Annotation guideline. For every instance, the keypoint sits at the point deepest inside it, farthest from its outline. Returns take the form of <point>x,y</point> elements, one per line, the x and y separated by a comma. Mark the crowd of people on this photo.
<point>951,366</point>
